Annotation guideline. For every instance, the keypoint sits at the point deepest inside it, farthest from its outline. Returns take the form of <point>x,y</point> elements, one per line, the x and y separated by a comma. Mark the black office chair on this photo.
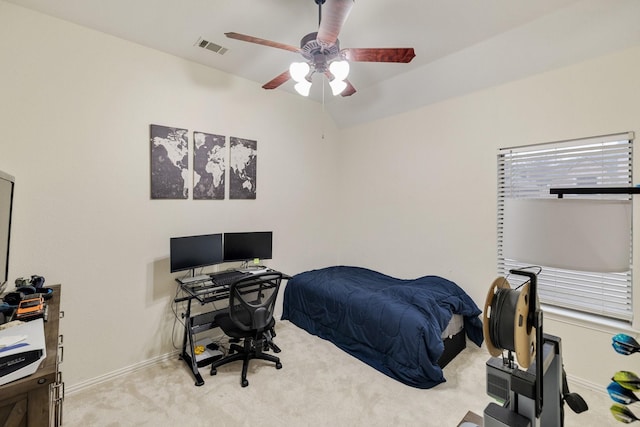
<point>252,301</point>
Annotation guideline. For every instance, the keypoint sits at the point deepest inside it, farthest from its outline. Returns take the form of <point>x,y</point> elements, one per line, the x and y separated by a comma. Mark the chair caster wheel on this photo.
<point>245,383</point>
<point>214,371</point>
<point>278,365</point>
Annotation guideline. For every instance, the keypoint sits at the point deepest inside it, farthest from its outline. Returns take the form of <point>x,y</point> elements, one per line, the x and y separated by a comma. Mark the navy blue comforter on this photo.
<point>394,325</point>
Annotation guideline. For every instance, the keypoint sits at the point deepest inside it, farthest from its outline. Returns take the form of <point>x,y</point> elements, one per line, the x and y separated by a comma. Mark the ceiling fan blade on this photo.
<point>263,42</point>
<point>333,16</point>
<point>350,90</point>
<point>379,54</point>
<point>277,81</point>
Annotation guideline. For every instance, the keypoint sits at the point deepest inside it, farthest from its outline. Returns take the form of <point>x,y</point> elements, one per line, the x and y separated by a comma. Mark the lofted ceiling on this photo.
<point>460,45</point>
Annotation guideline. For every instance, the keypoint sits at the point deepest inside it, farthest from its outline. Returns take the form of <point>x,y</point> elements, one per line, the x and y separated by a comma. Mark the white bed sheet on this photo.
<point>455,325</point>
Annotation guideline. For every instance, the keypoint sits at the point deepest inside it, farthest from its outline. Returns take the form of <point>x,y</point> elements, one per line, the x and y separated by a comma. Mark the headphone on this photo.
<point>13,298</point>
<point>45,292</point>
<point>35,281</point>
<point>38,283</point>
<point>27,287</point>
<point>26,290</point>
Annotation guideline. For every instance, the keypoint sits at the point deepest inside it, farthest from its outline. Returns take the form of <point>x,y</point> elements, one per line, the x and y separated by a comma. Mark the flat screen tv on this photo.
<point>191,252</point>
<point>7,183</point>
<point>247,246</point>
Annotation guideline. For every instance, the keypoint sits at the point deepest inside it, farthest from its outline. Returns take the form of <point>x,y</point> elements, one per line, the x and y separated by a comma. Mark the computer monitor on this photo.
<point>191,252</point>
<point>247,246</point>
<point>7,183</point>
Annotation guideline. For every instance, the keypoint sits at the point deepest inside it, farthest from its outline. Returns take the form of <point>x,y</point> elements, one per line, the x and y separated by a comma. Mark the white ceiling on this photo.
<point>460,45</point>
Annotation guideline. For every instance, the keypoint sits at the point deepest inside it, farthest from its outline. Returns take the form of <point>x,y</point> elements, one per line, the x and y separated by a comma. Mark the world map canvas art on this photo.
<point>209,165</point>
<point>169,163</point>
<point>170,169</point>
<point>242,168</point>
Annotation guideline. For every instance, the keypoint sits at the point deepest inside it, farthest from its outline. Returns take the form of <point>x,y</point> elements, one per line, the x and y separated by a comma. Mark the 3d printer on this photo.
<point>533,393</point>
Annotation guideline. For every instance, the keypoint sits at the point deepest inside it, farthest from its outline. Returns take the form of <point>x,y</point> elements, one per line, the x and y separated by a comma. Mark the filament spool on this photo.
<point>525,340</point>
<point>499,283</point>
<point>506,325</point>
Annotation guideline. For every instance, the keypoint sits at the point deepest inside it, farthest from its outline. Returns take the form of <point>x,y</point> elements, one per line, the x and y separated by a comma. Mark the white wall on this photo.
<point>419,189</point>
<point>75,110</point>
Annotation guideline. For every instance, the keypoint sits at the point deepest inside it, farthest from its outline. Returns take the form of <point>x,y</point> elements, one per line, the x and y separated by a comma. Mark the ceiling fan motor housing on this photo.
<point>319,56</point>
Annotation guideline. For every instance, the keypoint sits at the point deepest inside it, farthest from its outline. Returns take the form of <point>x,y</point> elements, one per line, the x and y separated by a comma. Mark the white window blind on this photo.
<point>529,172</point>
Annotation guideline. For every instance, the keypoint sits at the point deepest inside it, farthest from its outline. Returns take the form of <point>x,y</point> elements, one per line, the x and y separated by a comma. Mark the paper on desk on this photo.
<point>8,340</point>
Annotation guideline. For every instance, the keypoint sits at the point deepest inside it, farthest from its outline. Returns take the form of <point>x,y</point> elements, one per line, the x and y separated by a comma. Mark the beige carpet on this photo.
<point>319,385</point>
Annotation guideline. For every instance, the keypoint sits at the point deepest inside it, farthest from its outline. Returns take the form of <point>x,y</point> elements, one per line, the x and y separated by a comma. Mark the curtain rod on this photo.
<point>594,190</point>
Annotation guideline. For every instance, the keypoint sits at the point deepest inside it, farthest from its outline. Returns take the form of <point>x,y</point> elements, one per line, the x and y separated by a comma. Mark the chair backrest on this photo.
<point>252,300</point>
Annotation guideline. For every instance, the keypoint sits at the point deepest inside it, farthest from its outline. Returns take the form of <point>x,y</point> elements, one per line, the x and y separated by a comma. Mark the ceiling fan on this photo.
<point>322,54</point>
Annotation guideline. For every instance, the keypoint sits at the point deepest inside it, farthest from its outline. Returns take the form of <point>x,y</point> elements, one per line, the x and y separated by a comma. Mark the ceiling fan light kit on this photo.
<point>303,87</point>
<point>339,69</point>
<point>299,71</point>
<point>337,86</point>
<point>322,54</point>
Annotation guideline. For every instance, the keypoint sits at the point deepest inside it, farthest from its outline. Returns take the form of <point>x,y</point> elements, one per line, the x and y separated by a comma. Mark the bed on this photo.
<point>405,329</point>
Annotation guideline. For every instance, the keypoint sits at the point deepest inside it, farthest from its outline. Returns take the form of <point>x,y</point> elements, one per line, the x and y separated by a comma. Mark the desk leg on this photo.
<point>189,358</point>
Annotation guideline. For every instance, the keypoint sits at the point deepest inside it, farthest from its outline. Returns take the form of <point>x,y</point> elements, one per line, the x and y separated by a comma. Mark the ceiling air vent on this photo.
<point>211,46</point>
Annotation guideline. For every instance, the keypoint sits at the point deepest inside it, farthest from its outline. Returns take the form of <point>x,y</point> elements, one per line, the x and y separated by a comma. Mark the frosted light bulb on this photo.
<point>299,71</point>
<point>339,69</point>
<point>337,86</point>
<point>303,87</point>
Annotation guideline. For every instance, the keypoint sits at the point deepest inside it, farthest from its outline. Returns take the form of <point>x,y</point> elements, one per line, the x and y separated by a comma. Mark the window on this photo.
<point>529,172</point>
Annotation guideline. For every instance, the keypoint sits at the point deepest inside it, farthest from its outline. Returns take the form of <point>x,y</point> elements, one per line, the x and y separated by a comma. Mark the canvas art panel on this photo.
<point>242,168</point>
<point>209,166</point>
<point>169,162</point>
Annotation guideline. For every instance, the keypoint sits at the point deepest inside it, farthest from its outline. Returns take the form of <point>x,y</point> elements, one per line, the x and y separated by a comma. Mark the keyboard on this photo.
<point>226,278</point>
<point>194,279</point>
<point>204,288</point>
<point>201,285</point>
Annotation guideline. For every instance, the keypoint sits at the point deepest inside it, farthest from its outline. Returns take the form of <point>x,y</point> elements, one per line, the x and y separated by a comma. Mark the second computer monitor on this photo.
<point>248,246</point>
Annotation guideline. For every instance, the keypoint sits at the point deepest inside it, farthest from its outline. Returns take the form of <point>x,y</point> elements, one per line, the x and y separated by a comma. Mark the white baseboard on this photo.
<point>586,384</point>
<point>120,372</point>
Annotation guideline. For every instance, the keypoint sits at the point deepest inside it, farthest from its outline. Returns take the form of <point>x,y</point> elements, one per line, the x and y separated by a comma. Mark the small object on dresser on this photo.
<point>31,307</point>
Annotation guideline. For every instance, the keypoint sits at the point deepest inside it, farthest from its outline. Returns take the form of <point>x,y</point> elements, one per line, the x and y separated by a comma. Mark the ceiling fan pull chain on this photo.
<point>323,95</point>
